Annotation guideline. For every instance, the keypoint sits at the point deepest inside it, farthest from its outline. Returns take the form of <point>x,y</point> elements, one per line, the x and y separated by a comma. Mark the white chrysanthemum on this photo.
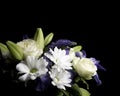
<point>30,48</point>
<point>32,68</point>
<point>60,78</point>
<point>72,53</point>
<point>59,57</point>
<point>85,67</point>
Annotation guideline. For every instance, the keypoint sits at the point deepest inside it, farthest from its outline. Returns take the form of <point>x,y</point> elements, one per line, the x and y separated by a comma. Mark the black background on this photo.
<point>92,26</point>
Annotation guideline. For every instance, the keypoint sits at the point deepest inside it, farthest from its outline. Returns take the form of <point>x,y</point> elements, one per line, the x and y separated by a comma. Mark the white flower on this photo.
<point>32,68</point>
<point>59,57</point>
<point>85,67</point>
<point>60,78</point>
<point>72,53</point>
<point>30,48</point>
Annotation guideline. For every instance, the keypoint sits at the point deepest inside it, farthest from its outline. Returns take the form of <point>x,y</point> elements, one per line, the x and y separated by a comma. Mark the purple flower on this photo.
<point>62,43</point>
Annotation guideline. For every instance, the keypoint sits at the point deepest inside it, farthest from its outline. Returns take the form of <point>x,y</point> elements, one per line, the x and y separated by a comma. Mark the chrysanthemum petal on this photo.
<point>24,77</point>
<point>22,68</point>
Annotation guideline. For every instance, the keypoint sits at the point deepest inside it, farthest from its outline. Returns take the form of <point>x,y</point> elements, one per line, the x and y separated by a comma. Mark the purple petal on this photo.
<point>98,81</point>
<point>49,62</point>
<point>67,51</point>
<point>80,54</point>
<point>77,54</point>
<point>83,53</point>
<point>43,82</point>
<point>73,74</point>
<point>62,43</point>
<point>65,42</point>
<point>96,62</point>
<point>100,67</point>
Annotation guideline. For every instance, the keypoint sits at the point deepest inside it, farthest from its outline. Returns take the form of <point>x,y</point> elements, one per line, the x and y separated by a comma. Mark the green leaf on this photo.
<point>60,93</point>
<point>87,85</point>
<point>79,79</point>
<point>15,50</point>
<point>78,91</point>
<point>84,92</point>
<point>48,38</point>
<point>39,38</point>
<point>77,48</point>
<point>65,92</point>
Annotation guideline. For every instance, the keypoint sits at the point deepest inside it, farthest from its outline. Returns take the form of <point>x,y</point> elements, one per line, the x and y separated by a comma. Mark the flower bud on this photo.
<point>48,38</point>
<point>15,50</point>
<point>85,67</point>
<point>39,38</point>
<point>4,50</point>
<point>77,48</point>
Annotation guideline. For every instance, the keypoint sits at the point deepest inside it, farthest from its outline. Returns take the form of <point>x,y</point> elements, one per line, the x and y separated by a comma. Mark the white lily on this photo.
<point>32,68</point>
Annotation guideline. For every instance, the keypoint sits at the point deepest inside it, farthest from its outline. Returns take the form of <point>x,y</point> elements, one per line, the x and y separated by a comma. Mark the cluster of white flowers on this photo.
<point>38,57</point>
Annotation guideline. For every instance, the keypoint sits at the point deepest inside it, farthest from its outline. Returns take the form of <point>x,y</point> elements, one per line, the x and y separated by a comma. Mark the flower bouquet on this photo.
<point>59,68</point>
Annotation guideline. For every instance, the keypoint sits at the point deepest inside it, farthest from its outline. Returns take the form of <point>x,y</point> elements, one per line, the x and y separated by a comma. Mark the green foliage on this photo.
<point>78,91</point>
<point>78,79</point>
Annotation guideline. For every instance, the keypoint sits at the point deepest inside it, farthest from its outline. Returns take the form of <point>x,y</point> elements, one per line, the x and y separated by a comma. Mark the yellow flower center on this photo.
<point>33,70</point>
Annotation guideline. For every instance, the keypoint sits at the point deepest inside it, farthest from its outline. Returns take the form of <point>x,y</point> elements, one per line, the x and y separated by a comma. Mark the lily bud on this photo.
<point>15,50</point>
<point>77,48</point>
<point>4,50</point>
<point>48,38</point>
<point>39,38</point>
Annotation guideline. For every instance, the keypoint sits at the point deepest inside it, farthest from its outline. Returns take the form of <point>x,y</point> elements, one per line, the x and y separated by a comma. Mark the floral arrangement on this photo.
<point>61,67</point>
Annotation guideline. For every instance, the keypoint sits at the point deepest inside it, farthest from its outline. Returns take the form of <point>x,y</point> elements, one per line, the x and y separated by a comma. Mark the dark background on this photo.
<point>93,27</point>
